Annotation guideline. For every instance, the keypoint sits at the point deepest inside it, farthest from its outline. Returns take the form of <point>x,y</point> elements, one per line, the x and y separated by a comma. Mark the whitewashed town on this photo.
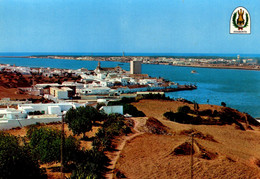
<point>91,87</point>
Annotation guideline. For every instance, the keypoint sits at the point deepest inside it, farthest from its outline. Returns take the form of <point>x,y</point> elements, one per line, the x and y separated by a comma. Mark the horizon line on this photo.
<point>185,54</point>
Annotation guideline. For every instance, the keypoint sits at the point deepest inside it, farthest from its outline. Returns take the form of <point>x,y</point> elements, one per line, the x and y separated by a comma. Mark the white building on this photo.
<point>50,112</point>
<point>48,108</point>
<point>135,67</point>
<point>95,90</point>
<point>11,113</point>
<point>60,93</point>
<point>112,109</point>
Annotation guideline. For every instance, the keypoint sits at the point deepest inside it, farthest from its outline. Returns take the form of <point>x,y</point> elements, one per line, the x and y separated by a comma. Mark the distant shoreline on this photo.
<point>219,67</point>
<point>126,59</point>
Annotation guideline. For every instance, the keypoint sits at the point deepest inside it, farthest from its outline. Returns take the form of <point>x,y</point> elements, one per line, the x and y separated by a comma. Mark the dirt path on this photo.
<point>115,155</point>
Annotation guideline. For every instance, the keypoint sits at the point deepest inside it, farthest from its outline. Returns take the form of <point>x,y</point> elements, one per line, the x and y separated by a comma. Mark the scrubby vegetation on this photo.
<point>42,145</point>
<point>81,120</point>
<point>45,145</point>
<point>114,125</point>
<point>16,159</point>
<point>181,117</point>
<point>208,117</point>
<point>153,96</point>
<point>95,163</point>
<point>184,109</point>
<point>91,164</point>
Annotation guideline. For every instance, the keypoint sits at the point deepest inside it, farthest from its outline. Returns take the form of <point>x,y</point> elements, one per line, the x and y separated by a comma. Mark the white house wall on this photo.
<point>113,109</point>
<point>5,125</point>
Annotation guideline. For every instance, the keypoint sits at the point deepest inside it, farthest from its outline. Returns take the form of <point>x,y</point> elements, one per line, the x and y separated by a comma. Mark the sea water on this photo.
<point>239,89</point>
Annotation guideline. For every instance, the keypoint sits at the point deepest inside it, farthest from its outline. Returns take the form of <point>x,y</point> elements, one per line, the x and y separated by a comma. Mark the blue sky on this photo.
<point>148,26</point>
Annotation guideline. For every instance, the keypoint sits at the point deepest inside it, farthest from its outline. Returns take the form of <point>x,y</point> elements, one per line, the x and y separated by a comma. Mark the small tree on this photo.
<point>223,104</point>
<point>45,145</point>
<point>130,109</point>
<point>81,120</point>
<point>114,125</point>
<point>93,164</point>
<point>196,107</point>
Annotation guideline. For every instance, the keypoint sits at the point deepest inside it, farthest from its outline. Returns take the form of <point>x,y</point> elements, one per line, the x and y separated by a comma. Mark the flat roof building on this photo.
<point>135,67</point>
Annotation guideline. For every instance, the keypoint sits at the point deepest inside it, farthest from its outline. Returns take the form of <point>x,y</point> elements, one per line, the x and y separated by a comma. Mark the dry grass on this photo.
<point>147,156</point>
<point>156,108</point>
<point>236,153</point>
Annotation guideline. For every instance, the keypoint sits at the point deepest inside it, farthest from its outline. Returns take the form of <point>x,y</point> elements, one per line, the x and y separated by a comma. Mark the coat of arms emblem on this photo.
<point>240,21</point>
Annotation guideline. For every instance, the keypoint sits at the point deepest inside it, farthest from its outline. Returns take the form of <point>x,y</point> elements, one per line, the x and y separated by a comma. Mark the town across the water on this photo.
<point>237,62</point>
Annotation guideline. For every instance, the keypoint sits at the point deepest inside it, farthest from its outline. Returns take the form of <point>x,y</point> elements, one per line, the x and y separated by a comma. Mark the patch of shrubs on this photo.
<point>230,116</point>
<point>45,145</point>
<point>184,109</point>
<point>113,125</point>
<point>93,163</point>
<point>132,110</point>
<point>182,118</point>
<point>90,164</point>
<point>153,96</point>
<point>17,160</point>
<point>226,116</point>
<point>206,112</point>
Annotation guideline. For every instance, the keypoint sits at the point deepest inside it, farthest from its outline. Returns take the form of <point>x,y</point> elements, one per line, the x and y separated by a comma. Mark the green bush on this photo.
<point>81,120</point>
<point>132,110</point>
<point>206,112</point>
<point>45,145</point>
<point>16,160</point>
<point>184,109</point>
<point>113,125</point>
<point>183,118</point>
<point>153,96</point>
<point>93,165</point>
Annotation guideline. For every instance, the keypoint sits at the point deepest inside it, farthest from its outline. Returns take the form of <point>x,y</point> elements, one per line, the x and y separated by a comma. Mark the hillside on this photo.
<point>10,82</point>
<point>160,148</point>
<point>220,151</point>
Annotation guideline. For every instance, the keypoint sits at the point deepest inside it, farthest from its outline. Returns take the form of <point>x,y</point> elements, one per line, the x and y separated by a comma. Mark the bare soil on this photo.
<point>219,151</point>
<point>14,94</point>
<point>11,81</point>
<point>156,108</point>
